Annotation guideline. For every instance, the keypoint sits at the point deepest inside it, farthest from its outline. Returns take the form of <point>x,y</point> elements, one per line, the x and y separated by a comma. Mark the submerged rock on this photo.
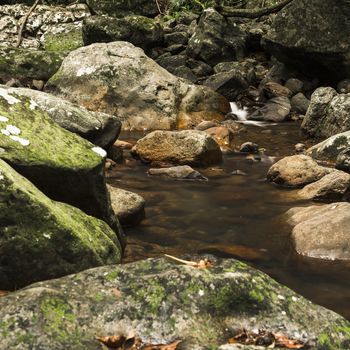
<point>343,160</point>
<point>128,206</point>
<point>160,301</point>
<point>275,110</point>
<point>296,171</point>
<point>181,172</point>
<point>192,147</point>
<point>328,113</point>
<point>61,164</point>
<point>118,78</point>
<point>42,239</point>
<point>322,231</point>
<point>99,128</point>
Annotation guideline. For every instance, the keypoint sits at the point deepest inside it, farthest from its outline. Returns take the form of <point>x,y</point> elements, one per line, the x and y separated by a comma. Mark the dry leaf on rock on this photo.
<point>3,293</point>
<point>201,264</point>
<point>171,346</point>
<point>116,292</point>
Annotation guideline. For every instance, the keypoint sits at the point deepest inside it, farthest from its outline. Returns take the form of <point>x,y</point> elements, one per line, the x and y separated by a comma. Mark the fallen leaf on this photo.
<point>171,346</point>
<point>201,264</point>
<point>283,341</point>
<point>113,341</point>
<point>3,293</point>
<point>116,292</point>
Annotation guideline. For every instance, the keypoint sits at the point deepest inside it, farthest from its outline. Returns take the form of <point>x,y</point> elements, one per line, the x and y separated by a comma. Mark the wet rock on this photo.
<point>322,231</point>
<point>328,113</point>
<point>123,144</point>
<point>118,78</point>
<point>140,31</point>
<point>191,147</point>
<point>222,135</point>
<point>216,39</point>
<point>343,160</point>
<point>300,148</point>
<point>299,103</point>
<point>170,63</point>
<point>206,125</point>
<point>199,68</point>
<point>249,147</point>
<point>99,128</point>
<point>330,148</point>
<point>122,8</point>
<point>185,73</point>
<point>239,173</point>
<point>63,165</point>
<point>332,187</point>
<point>294,85</point>
<point>128,206</point>
<point>296,171</point>
<point>343,87</point>
<point>160,301</point>
<point>44,239</point>
<point>302,46</point>
<point>25,65</point>
<point>176,38</point>
<point>276,109</point>
<point>181,172</point>
<point>273,89</point>
<point>229,84</point>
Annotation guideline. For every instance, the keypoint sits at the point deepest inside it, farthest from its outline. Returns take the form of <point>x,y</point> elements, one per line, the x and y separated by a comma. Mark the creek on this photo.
<point>233,216</point>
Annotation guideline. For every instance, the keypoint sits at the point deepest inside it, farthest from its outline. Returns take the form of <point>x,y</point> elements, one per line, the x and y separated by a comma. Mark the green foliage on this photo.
<point>175,7</point>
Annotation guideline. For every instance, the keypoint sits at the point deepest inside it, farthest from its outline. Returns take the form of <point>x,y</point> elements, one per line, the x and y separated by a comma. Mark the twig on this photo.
<point>201,264</point>
<point>228,11</point>
<point>157,3</point>
<point>23,25</point>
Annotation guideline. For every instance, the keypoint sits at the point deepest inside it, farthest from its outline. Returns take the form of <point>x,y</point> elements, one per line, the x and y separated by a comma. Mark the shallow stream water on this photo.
<point>232,216</point>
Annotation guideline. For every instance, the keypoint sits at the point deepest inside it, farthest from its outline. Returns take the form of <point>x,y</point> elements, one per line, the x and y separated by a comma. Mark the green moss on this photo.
<point>64,42</point>
<point>111,276</point>
<point>152,295</point>
<point>257,296</point>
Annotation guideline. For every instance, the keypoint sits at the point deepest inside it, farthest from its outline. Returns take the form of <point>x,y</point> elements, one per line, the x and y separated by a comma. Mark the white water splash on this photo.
<point>100,151</point>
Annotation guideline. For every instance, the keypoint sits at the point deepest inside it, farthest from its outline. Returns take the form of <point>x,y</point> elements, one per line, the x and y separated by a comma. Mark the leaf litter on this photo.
<point>201,264</point>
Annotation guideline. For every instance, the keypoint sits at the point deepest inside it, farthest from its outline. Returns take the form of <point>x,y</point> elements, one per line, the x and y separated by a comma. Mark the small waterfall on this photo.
<point>240,113</point>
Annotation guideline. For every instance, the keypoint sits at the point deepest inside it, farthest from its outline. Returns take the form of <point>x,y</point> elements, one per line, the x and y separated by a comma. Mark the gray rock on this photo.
<point>118,78</point>
<point>304,46</point>
<point>296,171</point>
<point>299,103</point>
<point>191,147</point>
<point>176,38</point>
<point>216,39</point>
<point>170,63</point>
<point>99,128</point>
<point>328,113</point>
<point>273,89</point>
<point>63,165</point>
<point>206,125</point>
<point>44,239</point>
<point>128,206</point>
<point>330,149</point>
<point>185,73</point>
<point>140,31</point>
<point>331,187</point>
<point>160,301</point>
<point>343,87</point>
<point>294,85</point>
<point>181,172</point>
<point>343,160</point>
<point>322,231</point>
<point>199,68</point>
<point>249,147</point>
<point>276,109</point>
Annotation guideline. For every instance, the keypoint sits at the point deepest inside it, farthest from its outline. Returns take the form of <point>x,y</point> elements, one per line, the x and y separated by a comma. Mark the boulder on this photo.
<point>273,89</point>
<point>26,65</point>
<point>294,85</point>
<point>330,148</point>
<point>128,206</point>
<point>322,231</point>
<point>63,165</point>
<point>159,301</point>
<point>122,8</point>
<point>331,187</point>
<point>141,31</point>
<point>216,39</point>
<point>222,135</point>
<point>191,147</point>
<point>99,128</point>
<point>296,171</point>
<point>307,46</point>
<point>328,113</point>
<point>299,103</point>
<point>276,109</point>
<point>42,239</point>
<point>118,78</point>
<point>343,160</point>
<point>181,172</point>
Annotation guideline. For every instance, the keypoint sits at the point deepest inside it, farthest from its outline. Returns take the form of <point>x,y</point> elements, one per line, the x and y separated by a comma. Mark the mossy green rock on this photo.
<point>64,166</point>
<point>139,30</point>
<point>161,301</point>
<point>25,64</point>
<point>41,239</point>
<point>121,8</point>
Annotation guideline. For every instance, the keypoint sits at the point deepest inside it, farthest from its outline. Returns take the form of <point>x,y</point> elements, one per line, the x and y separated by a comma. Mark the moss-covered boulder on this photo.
<point>160,301</point>
<point>118,78</point>
<point>141,31</point>
<point>99,128</point>
<point>41,238</point>
<point>64,166</point>
<point>26,65</point>
<point>121,8</point>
